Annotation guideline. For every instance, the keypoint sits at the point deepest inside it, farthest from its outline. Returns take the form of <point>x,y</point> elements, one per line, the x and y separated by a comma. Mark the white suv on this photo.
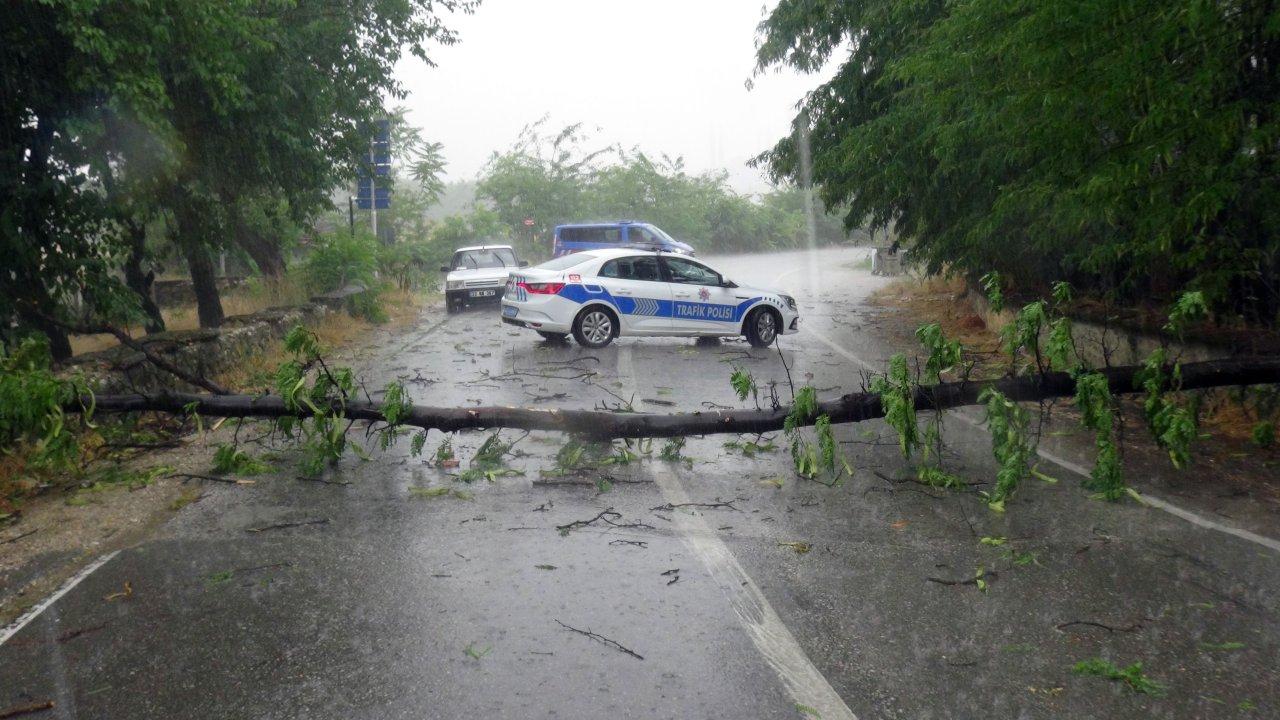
<point>478,274</point>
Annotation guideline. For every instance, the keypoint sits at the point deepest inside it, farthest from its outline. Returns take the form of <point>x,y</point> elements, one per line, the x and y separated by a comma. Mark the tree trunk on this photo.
<point>139,281</point>
<point>204,281</point>
<point>854,407</point>
<point>59,341</point>
<point>264,252</point>
<point>204,278</point>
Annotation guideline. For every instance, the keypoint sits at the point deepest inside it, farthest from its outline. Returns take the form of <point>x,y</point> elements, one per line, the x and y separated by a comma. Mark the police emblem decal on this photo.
<point>705,294</point>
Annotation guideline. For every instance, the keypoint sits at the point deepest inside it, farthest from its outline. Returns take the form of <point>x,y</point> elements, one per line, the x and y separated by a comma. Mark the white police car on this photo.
<point>600,294</point>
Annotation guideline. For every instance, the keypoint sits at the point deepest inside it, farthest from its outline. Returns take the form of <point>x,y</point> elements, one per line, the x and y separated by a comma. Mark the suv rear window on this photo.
<point>611,235</point>
<point>566,261</point>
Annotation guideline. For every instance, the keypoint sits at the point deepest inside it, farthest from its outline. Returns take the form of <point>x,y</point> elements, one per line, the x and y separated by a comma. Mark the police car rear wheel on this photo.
<point>594,328</point>
<point>762,328</point>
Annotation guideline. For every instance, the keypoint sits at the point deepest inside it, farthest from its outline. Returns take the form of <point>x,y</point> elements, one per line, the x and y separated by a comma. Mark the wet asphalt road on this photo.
<point>390,605</point>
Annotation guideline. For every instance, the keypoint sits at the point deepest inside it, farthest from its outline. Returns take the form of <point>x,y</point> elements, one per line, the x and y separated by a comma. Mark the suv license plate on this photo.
<point>483,293</point>
<point>510,311</point>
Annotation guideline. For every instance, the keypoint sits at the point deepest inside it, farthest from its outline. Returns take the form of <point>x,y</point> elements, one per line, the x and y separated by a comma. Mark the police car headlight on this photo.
<point>453,285</point>
<point>791,302</point>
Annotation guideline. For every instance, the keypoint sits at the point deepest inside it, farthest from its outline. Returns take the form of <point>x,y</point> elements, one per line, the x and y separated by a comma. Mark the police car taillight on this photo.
<point>547,288</point>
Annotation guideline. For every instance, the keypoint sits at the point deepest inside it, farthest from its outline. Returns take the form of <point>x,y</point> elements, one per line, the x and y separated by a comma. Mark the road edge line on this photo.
<point>1149,499</point>
<point>25,619</point>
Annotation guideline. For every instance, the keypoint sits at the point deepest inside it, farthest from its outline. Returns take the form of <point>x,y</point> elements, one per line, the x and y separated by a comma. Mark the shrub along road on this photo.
<point>632,586</point>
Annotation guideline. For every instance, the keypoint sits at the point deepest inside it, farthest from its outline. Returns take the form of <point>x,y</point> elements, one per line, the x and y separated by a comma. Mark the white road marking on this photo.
<point>23,620</point>
<point>805,684</point>
<point>1172,509</point>
<point>1082,471</point>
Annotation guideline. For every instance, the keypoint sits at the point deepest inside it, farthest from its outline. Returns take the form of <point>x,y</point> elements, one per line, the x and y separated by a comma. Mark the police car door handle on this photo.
<point>684,294</point>
<point>623,292</point>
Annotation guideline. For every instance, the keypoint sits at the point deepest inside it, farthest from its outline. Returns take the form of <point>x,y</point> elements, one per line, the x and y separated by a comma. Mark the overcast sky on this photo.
<point>666,75</point>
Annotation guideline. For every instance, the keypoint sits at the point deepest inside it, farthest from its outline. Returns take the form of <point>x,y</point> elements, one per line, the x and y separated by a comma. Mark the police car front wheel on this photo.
<point>762,328</point>
<point>594,327</point>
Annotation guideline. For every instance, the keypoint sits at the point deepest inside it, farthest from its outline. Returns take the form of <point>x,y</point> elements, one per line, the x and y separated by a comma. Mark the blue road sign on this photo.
<point>371,194</point>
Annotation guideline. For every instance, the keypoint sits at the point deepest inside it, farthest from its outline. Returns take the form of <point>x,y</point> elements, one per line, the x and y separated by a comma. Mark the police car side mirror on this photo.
<point>524,263</point>
<point>728,283</point>
<point>444,268</point>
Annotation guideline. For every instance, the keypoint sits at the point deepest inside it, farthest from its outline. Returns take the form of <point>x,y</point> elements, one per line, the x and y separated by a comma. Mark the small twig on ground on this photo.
<point>581,358</point>
<point>281,526</point>
<point>16,538</point>
<point>211,478</point>
<point>624,405</point>
<point>304,478</point>
<point>511,446</point>
<point>637,525</point>
<point>1109,628</point>
<point>544,398</point>
<point>608,516</point>
<point>729,504</point>
<point>255,568</point>
<point>142,445</point>
<point>968,581</point>
<point>555,483</point>
<point>20,710</point>
<point>602,639</point>
<point>576,524</point>
<point>972,531</point>
<point>777,343</point>
<point>73,634</point>
<point>894,490</point>
<point>637,543</point>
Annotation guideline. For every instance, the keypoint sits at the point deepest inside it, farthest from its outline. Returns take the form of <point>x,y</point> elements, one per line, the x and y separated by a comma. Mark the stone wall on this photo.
<point>172,293</point>
<point>204,352</point>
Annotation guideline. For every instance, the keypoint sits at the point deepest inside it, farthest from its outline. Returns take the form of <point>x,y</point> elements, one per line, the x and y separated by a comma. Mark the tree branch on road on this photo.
<point>601,425</point>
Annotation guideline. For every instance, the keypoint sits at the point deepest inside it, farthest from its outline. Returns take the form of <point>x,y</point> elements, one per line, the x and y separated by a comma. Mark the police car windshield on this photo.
<point>489,258</point>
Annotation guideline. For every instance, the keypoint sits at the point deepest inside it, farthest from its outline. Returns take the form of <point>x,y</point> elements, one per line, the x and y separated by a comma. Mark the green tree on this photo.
<point>561,178</point>
<point>540,177</point>
<point>1130,147</point>
<point>212,117</point>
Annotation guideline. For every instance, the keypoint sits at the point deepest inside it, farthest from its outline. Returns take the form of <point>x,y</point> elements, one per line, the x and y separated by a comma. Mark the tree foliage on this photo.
<point>1124,146</point>
<point>561,177</point>
<point>208,117</point>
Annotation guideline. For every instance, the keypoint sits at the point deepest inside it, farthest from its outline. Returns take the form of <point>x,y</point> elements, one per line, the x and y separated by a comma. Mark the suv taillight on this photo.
<point>548,288</point>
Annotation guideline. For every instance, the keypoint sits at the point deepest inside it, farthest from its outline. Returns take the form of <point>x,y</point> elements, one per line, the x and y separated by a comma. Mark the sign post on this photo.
<point>373,190</point>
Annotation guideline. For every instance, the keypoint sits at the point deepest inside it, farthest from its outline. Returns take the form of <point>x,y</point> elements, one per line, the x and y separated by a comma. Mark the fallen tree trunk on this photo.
<point>853,407</point>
